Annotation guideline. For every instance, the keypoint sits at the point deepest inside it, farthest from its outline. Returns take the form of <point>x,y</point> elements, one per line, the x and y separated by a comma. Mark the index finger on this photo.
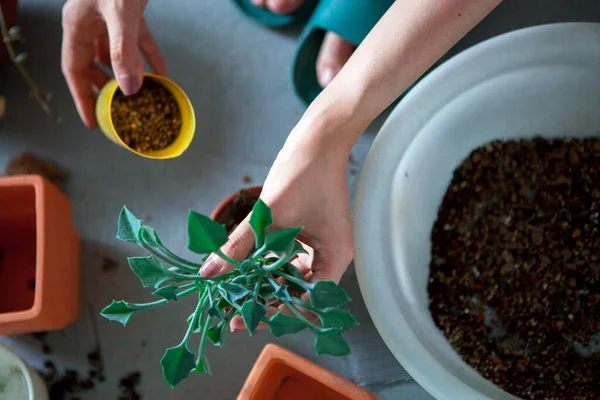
<point>77,65</point>
<point>151,51</point>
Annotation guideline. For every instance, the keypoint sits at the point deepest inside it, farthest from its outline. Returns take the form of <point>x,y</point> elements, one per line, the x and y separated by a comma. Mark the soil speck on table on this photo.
<point>109,264</point>
<point>27,164</point>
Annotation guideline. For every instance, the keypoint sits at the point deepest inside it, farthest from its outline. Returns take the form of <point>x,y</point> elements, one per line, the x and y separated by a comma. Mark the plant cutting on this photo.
<point>11,35</point>
<point>266,277</point>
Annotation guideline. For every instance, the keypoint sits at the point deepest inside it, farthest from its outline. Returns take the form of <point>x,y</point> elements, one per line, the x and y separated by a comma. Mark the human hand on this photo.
<point>307,186</point>
<point>109,32</point>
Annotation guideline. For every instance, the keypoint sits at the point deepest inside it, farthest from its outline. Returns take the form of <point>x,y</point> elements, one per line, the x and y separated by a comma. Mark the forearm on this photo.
<point>409,38</point>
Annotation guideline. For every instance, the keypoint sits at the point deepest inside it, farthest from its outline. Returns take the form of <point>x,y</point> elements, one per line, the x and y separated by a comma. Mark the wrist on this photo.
<point>329,123</point>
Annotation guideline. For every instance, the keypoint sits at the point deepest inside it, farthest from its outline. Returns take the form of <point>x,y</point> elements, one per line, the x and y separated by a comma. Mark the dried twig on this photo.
<point>40,95</point>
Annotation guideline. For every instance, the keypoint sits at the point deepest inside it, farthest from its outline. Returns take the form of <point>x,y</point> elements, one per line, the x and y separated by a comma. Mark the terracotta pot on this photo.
<point>222,212</point>
<point>9,10</point>
<point>39,264</point>
<point>280,374</point>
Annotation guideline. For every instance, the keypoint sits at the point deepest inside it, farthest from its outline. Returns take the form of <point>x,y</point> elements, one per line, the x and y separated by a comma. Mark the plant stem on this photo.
<point>144,306</point>
<point>304,305</point>
<point>164,257</point>
<point>197,312</point>
<point>227,258</point>
<point>278,264</point>
<point>272,282</point>
<point>301,317</point>
<point>35,91</point>
<point>168,253</point>
<point>202,344</point>
<point>258,252</point>
<point>293,279</point>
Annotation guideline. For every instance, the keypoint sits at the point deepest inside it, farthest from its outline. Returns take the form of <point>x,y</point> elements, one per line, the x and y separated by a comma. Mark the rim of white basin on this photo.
<point>375,263</point>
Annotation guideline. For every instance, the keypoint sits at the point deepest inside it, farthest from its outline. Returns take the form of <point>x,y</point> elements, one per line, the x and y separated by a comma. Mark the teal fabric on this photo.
<point>350,19</point>
<point>268,18</point>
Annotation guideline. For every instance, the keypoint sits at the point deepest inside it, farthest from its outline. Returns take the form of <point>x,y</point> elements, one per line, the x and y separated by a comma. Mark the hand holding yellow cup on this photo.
<point>188,119</point>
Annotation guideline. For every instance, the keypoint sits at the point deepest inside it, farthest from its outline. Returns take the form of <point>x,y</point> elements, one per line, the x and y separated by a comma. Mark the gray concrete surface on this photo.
<point>236,75</point>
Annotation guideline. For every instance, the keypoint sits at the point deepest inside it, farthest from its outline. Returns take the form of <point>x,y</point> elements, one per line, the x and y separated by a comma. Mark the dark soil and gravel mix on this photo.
<point>515,273</point>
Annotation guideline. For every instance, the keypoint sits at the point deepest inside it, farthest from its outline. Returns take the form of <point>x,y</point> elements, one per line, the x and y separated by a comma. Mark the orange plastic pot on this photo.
<point>221,212</point>
<point>9,11</point>
<point>39,257</point>
<point>279,374</point>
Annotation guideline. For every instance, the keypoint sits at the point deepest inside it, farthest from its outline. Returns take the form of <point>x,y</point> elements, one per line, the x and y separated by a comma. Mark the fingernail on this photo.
<point>258,3</point>
<point>209,269</point>
<point>129,84</point>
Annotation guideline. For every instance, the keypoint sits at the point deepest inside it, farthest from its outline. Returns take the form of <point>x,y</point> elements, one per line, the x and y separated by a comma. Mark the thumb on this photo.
<point>330,263</point>
<point>126,59</point>
<point>238,246</point>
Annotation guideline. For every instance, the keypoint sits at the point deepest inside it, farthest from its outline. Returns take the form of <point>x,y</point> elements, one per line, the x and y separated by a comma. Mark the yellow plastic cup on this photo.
<point>188,119</point>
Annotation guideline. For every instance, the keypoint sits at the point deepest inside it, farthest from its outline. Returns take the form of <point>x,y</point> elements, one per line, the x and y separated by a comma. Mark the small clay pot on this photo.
<point>228,214</point>
<point>279,374</point>
<point>9,10</point>
<point>39,257</point>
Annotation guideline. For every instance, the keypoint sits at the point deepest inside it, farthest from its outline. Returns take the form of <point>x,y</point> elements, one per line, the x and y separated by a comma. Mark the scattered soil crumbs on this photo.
<point>240,208</point>
<point>27,163</point>
<point>149,120</point>
<point>109,264</point>
<point>71,384</point>
<point>515,272</point>
<point>129,385</point>
<point>42,337</point>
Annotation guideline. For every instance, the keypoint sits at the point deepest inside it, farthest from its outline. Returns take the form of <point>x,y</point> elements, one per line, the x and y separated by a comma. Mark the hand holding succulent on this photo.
<point>264,278</point>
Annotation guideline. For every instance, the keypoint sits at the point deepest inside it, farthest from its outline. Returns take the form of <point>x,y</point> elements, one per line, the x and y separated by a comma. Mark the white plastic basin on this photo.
<point>541,81</point>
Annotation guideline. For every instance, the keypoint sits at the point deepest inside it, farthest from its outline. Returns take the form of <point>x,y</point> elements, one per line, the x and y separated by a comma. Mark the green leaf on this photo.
<point>203,365</point>
<point>266,292</point>
<point>217,334</point>
<point>292,270</point>
<point>247,266</point>
<point>331,341</point>
<point>282,324</point>
<point>151,272</point>
<point>177,363</point>
<point>14,31</point>
<point>298,249</point>
<point>149,235</point>
<point>253,312</point>
<point>222,303</point>
<point>282,294</point>
<point>204,234</point>
<point>232,292</point>
<point>21,58</point>
<point>260,219</point>
<point>214,311</point>
<point>118,311</point>
<point>326,294</point>
<point>240,280</point>
<point>337,318</point>
<point>168,292</point>
<point>281,241</point>
<point>128,226</point>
